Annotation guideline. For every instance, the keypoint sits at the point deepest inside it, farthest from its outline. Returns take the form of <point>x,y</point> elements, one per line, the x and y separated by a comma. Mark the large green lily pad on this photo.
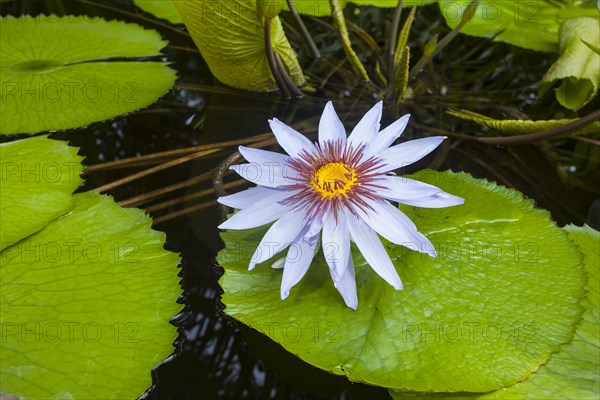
<point>37,179</point>
<point>499,299</point>
<point>230,37</point>
<point>85,305</point>
<point>531,24</point>
<point>574,372</point>
<point>57,73</point>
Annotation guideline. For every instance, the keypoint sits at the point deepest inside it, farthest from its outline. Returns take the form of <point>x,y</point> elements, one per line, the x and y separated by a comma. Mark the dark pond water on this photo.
<point>215,357</point>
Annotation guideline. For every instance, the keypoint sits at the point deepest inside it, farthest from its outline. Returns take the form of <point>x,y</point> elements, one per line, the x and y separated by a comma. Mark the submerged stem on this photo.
<point>195,195</point>
<point>156,158</point>
<point>161,167</point>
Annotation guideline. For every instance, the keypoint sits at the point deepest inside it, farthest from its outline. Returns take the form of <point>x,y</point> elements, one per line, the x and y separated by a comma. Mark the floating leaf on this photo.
<point>499,298</point>
<point>231,38</point>
<point>578,67</point>
<point>46,84</point>
<point>164,9</point>
<point>574,372</point>
<point>516,126</point>
<point>37,179</point>
<point>531,24</point>
<point>85,305</point>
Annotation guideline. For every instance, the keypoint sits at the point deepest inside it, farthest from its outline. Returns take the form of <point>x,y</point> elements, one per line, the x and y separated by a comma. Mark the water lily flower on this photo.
<point>339,189</point>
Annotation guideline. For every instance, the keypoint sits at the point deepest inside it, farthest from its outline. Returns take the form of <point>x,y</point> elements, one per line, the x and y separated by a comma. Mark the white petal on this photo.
<point>366,129</point>
<point>398,188</point>
<point>269,175</point>
<point>292,141</point>
<point>396,227</point>
<point>330,127</point>
<point>386,137</point>
<point>315,226</point>
<point>407,153</point>
<point>336,244</point>
<point>279,236</point>
<point>346,285</point>
<point>248,197</point>
<point>263,157</point>
<point>438,200</point>
<point>260,213</point>
<point>299,257</point>
<point>371,248</point>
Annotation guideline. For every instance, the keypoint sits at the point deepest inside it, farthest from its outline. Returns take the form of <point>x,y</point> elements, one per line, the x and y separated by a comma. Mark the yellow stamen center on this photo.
<point>333,179</point>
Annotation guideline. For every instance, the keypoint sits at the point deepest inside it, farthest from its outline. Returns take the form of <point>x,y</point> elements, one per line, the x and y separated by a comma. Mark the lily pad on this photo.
<point>578,67</point>
<point>500,297</point>
<point>531,24</point>
<point>164,9</point>
<point>230,37</point>
<point>519,127</point>
<point>574,372</point>
<point>85,305</point>
<point>37,179</point>
<point>57,72</point>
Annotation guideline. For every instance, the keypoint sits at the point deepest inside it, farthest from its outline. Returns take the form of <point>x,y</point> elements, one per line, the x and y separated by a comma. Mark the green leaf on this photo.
<point>499,298</point>
<point>230,37</point>
<point>55,72</point>
<point>401,75</point>
<point>515,126</point>
<point>578,67</point>
<point>574,372</point>
<point>85,305</point>
<point>164,9</point>
<point>403,37</point>
<point>531,24</point>
<point>37,179</point>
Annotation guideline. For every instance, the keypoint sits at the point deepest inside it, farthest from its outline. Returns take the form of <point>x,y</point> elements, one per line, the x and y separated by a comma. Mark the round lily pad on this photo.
<point>86,303</point>
<point>66,72</point>
<point>501,296</point>
<point>37,179</point>
<point>574,372</point>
